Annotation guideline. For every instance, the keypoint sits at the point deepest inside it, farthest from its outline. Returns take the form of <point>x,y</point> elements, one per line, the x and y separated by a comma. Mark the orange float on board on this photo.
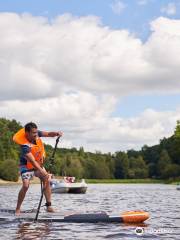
<point>134,216</point>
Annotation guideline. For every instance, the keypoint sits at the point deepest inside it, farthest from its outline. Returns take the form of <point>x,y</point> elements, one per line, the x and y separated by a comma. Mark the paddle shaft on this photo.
<point>42,188</point>
<point>53,154</point>
<point>40,201</point>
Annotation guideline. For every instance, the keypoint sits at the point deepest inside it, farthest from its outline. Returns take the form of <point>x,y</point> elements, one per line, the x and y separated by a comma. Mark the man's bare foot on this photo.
<point>50,209</point>
<point>17,212</point>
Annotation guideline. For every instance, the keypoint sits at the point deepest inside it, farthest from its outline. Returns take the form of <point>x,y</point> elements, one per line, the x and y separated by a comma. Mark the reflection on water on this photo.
<point>32,231</point>
<point>161,201</point>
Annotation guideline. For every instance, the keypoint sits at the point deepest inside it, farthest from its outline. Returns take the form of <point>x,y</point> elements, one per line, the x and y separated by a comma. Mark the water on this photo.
<point>161,201</point>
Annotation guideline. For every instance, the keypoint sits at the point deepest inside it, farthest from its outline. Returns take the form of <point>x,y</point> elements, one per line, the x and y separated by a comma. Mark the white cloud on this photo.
<point>142,2</point>
<point>163,49</point>
<point>118,7</point>
<point>169,9</point>
<point>145,2</point>
<point>40,60</point>
<point>69,74</point>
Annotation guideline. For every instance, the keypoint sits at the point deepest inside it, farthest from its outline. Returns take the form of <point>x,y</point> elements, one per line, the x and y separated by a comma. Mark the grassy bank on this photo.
<point>124,181</point>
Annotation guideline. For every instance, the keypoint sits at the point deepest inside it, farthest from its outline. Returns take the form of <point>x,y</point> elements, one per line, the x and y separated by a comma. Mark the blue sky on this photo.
<point>134,105</point>
<point>132,75</point>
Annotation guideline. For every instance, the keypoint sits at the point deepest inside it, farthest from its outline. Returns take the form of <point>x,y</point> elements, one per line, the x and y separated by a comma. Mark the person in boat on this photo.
<point>31,161</point>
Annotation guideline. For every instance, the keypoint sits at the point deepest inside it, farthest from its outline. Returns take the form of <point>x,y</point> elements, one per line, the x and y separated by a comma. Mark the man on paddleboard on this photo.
<point>31,161</point>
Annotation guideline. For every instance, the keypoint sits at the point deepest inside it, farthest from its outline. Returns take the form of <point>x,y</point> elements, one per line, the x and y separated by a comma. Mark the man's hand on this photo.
<point>52,134</point>
<point>60,133</point>
<point>46,177</point>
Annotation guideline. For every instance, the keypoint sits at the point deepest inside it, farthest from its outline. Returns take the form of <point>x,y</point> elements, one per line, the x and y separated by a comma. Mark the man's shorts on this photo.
<point>29,174</point>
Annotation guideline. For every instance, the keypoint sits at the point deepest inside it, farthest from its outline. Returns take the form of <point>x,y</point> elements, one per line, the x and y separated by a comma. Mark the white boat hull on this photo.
<point>67,187</point>
<point>59,189</point>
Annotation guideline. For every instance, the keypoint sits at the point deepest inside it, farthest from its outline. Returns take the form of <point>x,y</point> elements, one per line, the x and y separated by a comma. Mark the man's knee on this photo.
<point>25,187</point>
<point>46,184</point>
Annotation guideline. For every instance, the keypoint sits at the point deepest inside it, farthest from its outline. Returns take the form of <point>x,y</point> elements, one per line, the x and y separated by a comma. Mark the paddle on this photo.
<point>53,154</point>
<point>50,168</point>
<point>40,201</point>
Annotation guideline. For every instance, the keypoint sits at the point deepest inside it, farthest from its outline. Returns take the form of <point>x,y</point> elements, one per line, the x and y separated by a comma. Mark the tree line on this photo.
<point>161,161</point>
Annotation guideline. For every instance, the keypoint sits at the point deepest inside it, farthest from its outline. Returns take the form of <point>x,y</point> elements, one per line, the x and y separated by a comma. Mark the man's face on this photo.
<point>32,135</point>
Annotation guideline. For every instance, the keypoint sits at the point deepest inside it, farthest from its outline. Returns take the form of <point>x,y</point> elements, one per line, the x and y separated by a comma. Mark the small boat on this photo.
<point>178,187</point>
<point>78,187</point>
<point>59,186</point>
<point>68,185</point>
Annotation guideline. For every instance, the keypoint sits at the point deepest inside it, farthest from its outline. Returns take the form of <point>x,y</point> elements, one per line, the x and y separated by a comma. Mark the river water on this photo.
<point>160,200</point>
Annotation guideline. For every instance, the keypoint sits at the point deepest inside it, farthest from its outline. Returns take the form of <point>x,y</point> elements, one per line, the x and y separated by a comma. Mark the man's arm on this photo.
<point>51,134</point>
<point>36,165</point>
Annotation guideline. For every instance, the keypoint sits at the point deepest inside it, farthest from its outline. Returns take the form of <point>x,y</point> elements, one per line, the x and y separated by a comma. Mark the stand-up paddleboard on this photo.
<point>126,217</point>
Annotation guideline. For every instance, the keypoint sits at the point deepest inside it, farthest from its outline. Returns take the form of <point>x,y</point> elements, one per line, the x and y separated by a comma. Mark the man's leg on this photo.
<point>47,190</point>
<point>21,195</point>
<point>47,193</point>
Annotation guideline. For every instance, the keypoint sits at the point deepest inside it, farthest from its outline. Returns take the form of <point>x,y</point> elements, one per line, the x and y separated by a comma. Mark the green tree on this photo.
<point>75,168</point>
<point>110,164</point>
<point>90,168</point>
<point>121,165</point>
<point>177,129</point>
<point>171,171</point>
<point>81,152</point>
<point>9,170</point>
<point>102,170</point>
<point>138,168</point>
<point>164,160</point>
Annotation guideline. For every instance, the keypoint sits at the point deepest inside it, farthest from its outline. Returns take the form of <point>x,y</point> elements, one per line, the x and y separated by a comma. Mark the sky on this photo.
<point>105,72</point>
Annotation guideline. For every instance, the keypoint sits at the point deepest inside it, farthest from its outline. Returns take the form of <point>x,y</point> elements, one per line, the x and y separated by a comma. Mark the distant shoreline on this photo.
<point>103,181</point>
<point>98,181</point>
<point>4,182</point>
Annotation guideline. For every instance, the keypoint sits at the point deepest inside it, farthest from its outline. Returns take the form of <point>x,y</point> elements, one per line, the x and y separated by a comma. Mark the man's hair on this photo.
<point>29,126</point>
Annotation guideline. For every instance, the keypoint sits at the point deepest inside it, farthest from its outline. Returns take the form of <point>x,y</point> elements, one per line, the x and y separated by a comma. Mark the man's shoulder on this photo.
<point>40,133</point>
<point>25,148</point>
